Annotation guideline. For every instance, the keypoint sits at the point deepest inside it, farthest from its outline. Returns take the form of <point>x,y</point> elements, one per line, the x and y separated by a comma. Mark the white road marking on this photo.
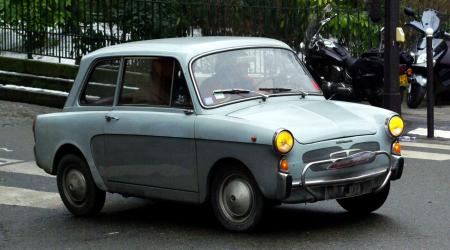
<point>424,132</point>
<point>15,196</point>
<point>28,198</point>
<point>425,155</point>
<point>425,145</point>
<point>24,168</point>
<point>6,150</point>
<point>4,161</point>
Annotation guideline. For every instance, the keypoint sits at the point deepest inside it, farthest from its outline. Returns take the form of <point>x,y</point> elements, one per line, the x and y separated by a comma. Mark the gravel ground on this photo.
<point>20,114</point>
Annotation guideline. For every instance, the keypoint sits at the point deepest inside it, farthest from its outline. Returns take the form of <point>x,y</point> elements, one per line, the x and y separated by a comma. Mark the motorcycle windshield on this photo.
<point>430,20</point>
<point>312,29</point>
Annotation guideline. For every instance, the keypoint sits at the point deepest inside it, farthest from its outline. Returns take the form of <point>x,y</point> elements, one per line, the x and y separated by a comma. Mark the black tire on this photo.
<point>365,204</point>
<point>77,188</point>
<point>225,198</point>
<point>415,96</point>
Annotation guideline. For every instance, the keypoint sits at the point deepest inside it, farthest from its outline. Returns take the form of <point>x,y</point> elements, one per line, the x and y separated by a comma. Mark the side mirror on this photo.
<point>328,8</point>
<point>302,46</point>
<point>410,12</point>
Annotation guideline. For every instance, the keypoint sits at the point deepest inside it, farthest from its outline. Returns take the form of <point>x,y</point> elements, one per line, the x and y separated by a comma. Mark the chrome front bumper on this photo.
<point>393,171</point>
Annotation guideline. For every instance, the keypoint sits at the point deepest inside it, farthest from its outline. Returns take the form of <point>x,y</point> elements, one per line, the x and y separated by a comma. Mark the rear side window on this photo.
<point>154,81</point>
<point>101,84</point>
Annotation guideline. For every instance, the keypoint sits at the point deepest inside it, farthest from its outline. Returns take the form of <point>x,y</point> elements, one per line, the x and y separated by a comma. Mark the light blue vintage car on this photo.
<point>236,122</point>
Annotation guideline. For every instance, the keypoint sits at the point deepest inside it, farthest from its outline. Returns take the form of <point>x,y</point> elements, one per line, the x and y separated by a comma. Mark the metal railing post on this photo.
<point>391,95</point>
<point>430,83</point>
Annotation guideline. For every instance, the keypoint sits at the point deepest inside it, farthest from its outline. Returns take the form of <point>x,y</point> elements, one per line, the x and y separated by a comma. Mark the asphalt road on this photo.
<point>32,216</point>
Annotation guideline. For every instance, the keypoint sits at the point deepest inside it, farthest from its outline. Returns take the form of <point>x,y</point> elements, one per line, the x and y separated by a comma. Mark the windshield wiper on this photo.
<point>281,90</point>
<point>239,91</point>
<point>275,90</point>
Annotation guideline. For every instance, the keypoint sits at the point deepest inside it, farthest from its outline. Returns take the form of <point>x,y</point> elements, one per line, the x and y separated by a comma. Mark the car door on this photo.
<point>95,102</point>
<point>150,131</point>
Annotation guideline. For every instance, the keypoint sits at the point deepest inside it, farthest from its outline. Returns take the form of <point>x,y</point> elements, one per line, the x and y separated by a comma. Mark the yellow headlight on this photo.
<point>283,141</point>
<point>396,126</point>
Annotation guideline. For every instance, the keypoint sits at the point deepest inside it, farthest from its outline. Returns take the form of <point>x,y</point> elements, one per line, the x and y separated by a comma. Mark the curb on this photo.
<point>32,96</point>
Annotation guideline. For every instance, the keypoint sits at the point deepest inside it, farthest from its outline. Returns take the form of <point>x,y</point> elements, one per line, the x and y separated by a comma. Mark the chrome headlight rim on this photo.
<point>388,121</point>
<point>274,141</point>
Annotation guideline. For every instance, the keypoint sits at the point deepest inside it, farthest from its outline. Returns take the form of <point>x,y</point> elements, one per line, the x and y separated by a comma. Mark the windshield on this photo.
<point>247,73</point>
<point>313,27</point>
<point>430,20</point>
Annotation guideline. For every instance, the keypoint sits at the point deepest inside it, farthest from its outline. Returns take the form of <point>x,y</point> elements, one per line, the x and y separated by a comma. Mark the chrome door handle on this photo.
<point>110,118</point>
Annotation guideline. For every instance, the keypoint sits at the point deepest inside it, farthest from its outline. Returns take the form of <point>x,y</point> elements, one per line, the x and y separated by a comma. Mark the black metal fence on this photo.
<point>72,28</point>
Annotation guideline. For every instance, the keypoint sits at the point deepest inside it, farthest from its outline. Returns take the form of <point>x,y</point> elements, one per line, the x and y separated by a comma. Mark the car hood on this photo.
<point>311,120</point>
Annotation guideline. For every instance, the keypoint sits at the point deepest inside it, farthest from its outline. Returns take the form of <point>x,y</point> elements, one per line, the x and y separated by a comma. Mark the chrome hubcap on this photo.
<point>75,186</point>
<point>236,198</point>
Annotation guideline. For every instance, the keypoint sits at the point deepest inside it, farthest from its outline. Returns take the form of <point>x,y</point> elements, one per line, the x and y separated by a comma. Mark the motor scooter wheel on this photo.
<point>415,95</point>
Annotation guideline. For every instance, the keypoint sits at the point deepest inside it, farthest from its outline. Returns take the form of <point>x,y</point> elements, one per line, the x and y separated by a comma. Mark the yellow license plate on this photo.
<point>404,80</point>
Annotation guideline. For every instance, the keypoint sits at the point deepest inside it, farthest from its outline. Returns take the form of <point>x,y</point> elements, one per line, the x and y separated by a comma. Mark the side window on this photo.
<point>153,82</point>
<point>147,81</point>
<point>180,91</point>
<point>101,85</point>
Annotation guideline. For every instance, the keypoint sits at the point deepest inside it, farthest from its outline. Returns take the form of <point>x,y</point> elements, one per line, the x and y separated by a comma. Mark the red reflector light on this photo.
<point>403,69</point>
<point>409,72</point>
<point>316,86</point>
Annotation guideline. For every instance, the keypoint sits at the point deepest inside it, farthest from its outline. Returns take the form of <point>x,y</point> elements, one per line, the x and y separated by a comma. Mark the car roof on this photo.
<point>184,47</point>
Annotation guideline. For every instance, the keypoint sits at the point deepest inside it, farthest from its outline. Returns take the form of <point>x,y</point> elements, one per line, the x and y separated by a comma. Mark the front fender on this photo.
<point>219,137</point>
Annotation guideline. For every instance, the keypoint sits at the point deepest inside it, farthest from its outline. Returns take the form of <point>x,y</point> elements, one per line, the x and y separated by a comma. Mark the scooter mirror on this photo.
<point>302,46</point>
<point>328,8</point>
<point>410,12</point>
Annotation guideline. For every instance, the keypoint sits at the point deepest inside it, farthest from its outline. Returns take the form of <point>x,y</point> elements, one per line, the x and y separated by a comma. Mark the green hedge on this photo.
<point>38,68</point>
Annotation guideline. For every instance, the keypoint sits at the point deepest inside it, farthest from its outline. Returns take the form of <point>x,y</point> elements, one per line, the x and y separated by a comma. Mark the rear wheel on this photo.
<point>365,204</point>
<point>77,188</point>
<point>236,199</point>
<point>415,95</point>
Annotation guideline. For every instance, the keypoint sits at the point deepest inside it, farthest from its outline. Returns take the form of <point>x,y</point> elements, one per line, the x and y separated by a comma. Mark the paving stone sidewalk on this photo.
<point>416,120</point>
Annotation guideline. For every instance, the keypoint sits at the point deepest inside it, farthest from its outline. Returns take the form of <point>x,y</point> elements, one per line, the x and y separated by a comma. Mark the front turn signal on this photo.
<point>396,148</point>
<point>284,165</point>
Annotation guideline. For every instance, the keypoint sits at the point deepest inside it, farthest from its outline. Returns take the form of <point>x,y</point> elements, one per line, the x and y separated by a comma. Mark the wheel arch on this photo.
<point>67,148</point>
<point>221,163</point>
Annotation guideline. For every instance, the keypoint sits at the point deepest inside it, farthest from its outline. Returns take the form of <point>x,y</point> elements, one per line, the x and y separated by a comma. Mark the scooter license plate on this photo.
<point>403,80</point>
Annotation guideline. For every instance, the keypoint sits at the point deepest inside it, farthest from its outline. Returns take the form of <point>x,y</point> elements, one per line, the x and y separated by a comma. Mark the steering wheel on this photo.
<point>265,80</point>
<point>275,79</point>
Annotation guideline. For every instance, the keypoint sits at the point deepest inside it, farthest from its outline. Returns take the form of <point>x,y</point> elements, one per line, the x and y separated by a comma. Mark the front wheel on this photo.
<point>236,199</point>
<point>365,204</point>
<point>415,95</point>
<point>77,188</point>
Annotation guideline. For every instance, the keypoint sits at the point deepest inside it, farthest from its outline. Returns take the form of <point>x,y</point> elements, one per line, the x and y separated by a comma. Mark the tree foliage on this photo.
<point>96,23</point>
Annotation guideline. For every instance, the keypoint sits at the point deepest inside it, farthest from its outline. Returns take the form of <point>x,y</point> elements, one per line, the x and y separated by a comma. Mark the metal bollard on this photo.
<point>430,83</point>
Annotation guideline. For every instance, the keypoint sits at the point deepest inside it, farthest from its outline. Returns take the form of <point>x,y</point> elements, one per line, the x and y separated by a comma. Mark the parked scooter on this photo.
<point>441,56</point>
<point>340,75</point>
